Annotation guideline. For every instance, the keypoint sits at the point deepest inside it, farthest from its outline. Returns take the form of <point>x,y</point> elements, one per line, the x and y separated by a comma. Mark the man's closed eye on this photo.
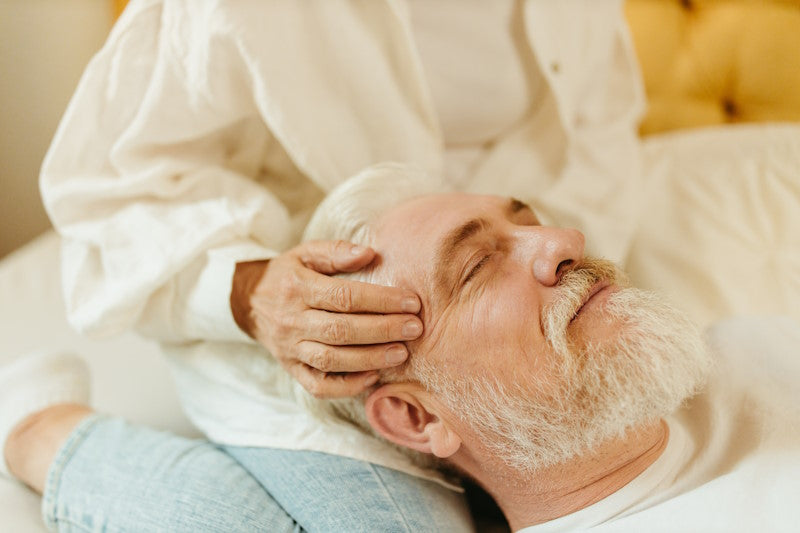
<point>476,268</point>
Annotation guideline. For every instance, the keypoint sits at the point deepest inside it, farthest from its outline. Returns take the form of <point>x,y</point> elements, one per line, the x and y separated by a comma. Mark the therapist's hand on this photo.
<point>331,334</point>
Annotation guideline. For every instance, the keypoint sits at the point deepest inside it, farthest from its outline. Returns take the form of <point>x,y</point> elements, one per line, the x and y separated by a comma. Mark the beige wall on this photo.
<point>44,48</point>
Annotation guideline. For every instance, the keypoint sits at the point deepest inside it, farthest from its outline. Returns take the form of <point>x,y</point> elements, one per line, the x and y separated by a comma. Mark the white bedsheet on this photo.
<point>720,235</point>
<point>720,229</point>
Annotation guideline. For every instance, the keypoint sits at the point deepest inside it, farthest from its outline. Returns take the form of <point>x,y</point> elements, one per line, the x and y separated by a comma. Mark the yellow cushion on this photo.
<point>710,62</point>
<point>119,7</point>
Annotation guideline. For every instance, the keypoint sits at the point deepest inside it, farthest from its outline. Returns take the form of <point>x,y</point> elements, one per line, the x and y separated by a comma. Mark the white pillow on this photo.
<point>719,232</point>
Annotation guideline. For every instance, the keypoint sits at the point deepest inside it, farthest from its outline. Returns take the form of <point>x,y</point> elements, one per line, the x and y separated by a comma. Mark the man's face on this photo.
<point>485,270</point>
<point>536,351</point>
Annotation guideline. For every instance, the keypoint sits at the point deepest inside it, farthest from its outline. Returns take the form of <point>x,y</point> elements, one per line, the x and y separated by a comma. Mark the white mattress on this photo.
<point>719,235</point>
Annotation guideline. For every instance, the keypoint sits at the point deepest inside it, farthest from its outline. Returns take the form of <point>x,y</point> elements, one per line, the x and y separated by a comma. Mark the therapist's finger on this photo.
<point>340,329</point>
<point>331,385</point>
<point>334,257</point>
<point>349,296</point>
<point>327,358</point>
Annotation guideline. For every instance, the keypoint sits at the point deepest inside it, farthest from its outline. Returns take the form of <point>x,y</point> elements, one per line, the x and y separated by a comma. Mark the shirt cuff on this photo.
<point>207,302</point>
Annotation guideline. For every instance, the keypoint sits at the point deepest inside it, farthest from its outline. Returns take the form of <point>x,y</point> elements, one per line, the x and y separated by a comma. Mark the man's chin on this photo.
<point>649,350</point>
<point>633,359</point>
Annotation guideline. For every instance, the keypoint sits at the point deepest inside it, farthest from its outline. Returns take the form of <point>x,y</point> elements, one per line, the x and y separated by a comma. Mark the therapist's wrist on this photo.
<point>246,277</point>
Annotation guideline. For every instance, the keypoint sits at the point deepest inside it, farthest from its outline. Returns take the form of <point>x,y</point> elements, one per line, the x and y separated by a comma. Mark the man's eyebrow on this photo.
<point>450,244</point>
<point>515,206</point>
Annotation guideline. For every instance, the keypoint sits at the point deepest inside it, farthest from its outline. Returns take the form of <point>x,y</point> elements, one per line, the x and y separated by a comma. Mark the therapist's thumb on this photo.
<point>333,257</point>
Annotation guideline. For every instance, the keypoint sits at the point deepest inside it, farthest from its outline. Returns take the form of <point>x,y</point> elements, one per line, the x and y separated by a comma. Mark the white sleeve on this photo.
<point>587,57</point>
<point>150,179</point>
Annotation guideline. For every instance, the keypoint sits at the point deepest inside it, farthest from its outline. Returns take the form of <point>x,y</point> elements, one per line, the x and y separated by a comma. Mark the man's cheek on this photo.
<point>510,311</point>
<point>482,332</point>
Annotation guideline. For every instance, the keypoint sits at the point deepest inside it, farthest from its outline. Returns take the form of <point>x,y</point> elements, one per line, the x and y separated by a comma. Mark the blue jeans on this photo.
<point>113,476</point>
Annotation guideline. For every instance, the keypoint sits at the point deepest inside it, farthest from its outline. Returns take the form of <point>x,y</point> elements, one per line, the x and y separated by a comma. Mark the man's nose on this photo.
<point>553,251</point>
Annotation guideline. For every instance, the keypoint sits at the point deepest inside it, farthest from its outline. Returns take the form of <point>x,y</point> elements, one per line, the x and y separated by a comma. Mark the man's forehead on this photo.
<point>437,212</point>
<point>407,235</point>
<point>429,217</point>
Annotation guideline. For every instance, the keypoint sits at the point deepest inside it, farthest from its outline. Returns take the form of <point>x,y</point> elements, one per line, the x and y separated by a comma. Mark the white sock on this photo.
<point>34,382</point>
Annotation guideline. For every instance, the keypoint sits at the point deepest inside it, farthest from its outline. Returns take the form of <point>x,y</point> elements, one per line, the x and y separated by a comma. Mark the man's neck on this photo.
<point>564,489</point>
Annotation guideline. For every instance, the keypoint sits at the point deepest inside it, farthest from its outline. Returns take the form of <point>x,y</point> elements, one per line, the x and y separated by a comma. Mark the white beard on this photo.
<point>596,392</point>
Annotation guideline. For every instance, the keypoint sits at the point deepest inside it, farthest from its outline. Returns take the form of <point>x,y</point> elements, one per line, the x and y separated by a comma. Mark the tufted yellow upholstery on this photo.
<point>717,61</point>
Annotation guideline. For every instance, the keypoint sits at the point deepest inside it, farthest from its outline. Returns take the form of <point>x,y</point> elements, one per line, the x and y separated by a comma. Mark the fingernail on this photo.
<point>372,380</point>
<point>411,305</point>
<point>411,329</point>
<point>357,250</point>
<point>396,355</point>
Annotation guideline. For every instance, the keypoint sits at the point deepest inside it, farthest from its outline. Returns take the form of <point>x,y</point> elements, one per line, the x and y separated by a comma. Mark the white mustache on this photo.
<point>571,293</point>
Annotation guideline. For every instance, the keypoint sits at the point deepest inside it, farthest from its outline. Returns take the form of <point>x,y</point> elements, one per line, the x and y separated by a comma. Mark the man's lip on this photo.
<point>596,288</point>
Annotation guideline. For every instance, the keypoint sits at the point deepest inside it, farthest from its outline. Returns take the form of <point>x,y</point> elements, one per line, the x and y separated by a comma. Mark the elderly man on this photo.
<point>560,390</point>
<point>542,376</point>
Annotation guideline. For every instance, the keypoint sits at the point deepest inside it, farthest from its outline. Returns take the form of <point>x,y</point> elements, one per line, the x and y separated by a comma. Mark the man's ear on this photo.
<point>403,413</point>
